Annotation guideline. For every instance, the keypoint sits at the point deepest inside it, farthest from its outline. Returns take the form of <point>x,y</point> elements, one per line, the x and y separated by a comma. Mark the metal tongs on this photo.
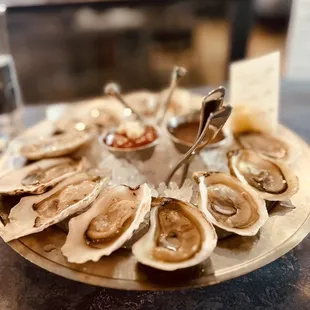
<point>213,113</point>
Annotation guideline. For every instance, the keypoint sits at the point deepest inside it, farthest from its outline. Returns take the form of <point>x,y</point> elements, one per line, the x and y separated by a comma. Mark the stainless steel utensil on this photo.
<point>177,74</point>
<point>114,90</point>
<point>212,113</point>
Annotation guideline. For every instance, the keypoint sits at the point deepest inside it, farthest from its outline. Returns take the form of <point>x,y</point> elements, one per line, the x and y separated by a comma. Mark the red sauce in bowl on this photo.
<point>121,141</point>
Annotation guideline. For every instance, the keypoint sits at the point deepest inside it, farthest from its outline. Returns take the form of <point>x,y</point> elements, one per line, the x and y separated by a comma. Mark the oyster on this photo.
<point>143,101</point>
<point>229,204</point>
<point>103,112</point>
<point>265,144</point>
<point>66,124</point>
<point>179,236</point>
<point>271,179</point>
<point>38,177</point>
<point>61,143</point>
<point>35,213</point>
<point>108,224</point>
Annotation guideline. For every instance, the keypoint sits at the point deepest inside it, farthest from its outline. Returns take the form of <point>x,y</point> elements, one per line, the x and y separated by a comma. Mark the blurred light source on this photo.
<point>127,112</point>
<point>80,126</point>
<point>94,113</point>
<point>2,8</point>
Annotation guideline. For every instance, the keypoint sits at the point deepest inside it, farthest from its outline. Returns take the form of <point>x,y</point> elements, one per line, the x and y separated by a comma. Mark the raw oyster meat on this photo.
<point>62,143</point>
<point>265,144</point>
<point>271,179</point>
<point>179,236</point>
<point>40,176</point>
<point>108,224</point>
<point>35,213</point>
<point>229,204</point>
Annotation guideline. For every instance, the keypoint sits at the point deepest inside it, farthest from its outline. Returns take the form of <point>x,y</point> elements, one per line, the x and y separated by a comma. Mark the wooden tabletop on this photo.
<point>284,284</point>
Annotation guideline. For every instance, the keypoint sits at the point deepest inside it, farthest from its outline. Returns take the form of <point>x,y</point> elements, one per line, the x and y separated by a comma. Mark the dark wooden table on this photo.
<point>283,284</point>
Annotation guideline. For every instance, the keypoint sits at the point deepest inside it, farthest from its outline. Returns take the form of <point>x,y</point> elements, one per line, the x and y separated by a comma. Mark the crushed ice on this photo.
<point>184,193</point>
<point>154,171</point>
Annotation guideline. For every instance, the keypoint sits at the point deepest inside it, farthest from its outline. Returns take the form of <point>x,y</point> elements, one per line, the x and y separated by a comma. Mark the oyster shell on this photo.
<point>38,177</point>
<point>103,112</point>
<point>108,224</point>
<point>271,179</point>
<point>62,143</point>
<point>143,101</point>
<point>179,236</point>
<point>35,213</point>
<point>66,124</point>
<point>229,204</point>
<point>265,144</point>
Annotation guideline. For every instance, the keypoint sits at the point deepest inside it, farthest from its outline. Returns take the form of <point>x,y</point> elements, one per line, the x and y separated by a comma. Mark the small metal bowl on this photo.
<point>141,153</point>
<point>183,146</point>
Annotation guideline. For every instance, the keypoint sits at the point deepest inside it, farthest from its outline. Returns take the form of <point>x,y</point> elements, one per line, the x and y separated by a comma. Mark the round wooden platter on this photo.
<point>233,256</point>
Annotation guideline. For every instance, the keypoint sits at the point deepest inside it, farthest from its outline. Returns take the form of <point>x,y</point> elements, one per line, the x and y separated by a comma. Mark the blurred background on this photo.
<point>66,50</point>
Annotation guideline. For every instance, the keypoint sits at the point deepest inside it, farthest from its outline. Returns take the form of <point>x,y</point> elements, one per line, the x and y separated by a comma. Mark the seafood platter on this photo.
<point>150,191</point>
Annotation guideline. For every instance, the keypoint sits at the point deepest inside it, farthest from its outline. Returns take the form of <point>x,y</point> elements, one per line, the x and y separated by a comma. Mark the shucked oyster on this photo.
<point>38,177</point>
<point>60,144</point>
<point>267,145</point>
<point>103,112</point>
<point>143,101</point>
<point>229,204</point>
<point>108,224</point>
<point>35,213</point>
<point>179,236</point>
<point>271,179</point>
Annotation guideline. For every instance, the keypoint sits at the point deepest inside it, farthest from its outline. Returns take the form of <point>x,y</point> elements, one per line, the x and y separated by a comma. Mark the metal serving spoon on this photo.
<point>177,74</point>
<point>114,90</point>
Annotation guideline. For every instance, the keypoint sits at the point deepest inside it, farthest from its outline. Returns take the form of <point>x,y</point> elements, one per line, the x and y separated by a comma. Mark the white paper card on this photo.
<point>298,42</point>
<point>254,93</point>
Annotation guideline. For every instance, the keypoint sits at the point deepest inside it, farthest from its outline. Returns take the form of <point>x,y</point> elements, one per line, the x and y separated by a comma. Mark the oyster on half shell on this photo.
<point>38,177</point>
<point>179,236</point>
<point>143,101</point>
<point>271,179</point>
<point>103,112</point>
<point>61,143</point>
<point>35,213</point>
<point>229,204</point>
<point>108,224</point>
<point>267,145</point>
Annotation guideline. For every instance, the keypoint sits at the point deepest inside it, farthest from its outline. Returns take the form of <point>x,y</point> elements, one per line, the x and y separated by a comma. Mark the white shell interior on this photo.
<point>290,177</point>
<point>11,183</point>
<point>142,249</point>
<point>77,250</point>
<point>222,178</point>
<point>22,217</point>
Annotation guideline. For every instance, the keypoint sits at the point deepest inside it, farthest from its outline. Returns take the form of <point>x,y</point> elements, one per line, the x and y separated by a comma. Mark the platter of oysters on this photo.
<point>149,191</point>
